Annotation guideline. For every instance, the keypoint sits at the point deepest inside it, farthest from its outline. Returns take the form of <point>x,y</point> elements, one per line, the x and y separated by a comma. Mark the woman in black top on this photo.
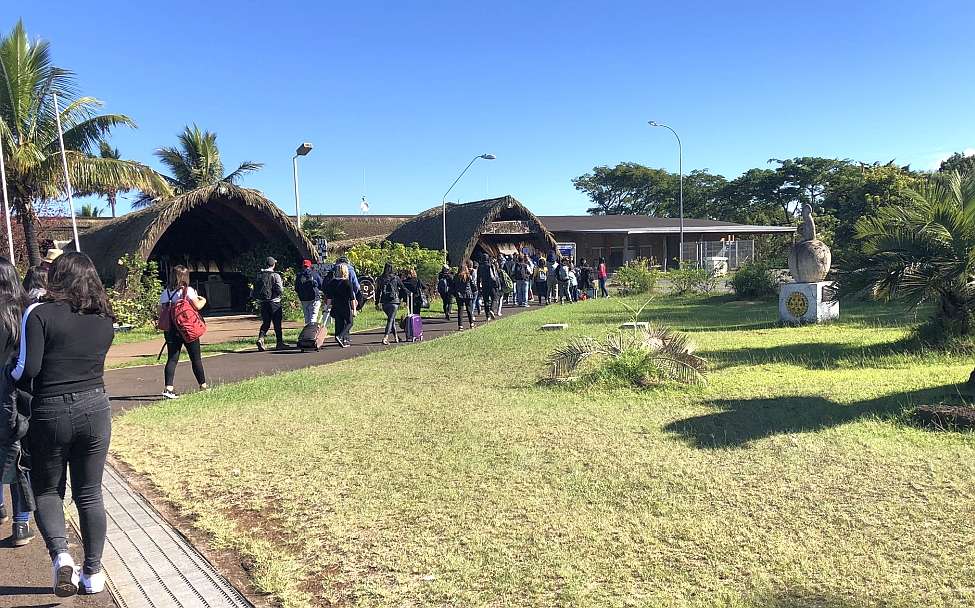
<point>414,289</point>
<point>341,299</point>
<point>390,292</point>
<point>13,300</point>
<point>463,289</point>
<point>63,353</point>
<point>178,286</point>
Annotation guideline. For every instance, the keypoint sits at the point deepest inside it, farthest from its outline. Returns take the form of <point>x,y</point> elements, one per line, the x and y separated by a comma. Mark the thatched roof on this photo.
<point>234,217</point>
<point>360,226</point>
<point>465,225</point>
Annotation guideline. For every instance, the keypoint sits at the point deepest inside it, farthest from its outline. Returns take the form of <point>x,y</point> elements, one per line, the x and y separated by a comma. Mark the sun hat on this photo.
<point>53,254</point>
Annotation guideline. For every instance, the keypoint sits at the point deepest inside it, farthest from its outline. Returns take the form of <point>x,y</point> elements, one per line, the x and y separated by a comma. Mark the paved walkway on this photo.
<point>148,562</point>
<point>219,330</point>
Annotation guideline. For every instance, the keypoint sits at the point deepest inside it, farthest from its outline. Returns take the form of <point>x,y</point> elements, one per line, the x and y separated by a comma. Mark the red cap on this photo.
<point>306,263</point>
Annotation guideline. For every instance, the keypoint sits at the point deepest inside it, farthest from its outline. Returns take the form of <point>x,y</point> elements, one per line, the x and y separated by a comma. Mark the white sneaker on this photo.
<point>92,584</point>
<point>65,576</point>
<point>170,394</point>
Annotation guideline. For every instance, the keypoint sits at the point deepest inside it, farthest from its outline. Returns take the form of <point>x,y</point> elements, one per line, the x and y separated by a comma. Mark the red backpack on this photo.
<point>186,319</point>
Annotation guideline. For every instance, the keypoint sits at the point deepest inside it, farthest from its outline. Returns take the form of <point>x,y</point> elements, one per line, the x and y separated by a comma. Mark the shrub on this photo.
<point>135,299</point>
<point>369,259</point>
<point>636,276</point>
<point>754,280</point>
<point>690,280</point>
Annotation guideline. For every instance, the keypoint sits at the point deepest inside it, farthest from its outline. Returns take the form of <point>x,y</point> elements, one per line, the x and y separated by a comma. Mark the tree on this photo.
<point>804,180</point>
<point>322,228</point>
<point>111,193</point>
<point>89,211</point>
<point>627,188</point>
<point>195,163</point>
<point>756,197</point>
<point>959,161</point>
<point>28,81</point>
<point>923,251</point>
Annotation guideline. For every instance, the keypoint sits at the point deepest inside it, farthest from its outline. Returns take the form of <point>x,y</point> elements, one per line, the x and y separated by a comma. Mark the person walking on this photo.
<point>389,294</point>
<point>540,278</point>
<point>341,300</point>
<point>553,279</point>
<point>176,290</point>
<point>472,268</point>
<point>573,273</point>
<point>562,285</point>
<point>62,362</point>
<point>521,274</point>
<point>414,288</point>
<point>489,284</point>
<point>586,278</point>
<point>602,274</point>
<point>444,280</point>
<point>268,288</point>
<point>463,289</point>
<point>13,469</point>
<point>308,286</point>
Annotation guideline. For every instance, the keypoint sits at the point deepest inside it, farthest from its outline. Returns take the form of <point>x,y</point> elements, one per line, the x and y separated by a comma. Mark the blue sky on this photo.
<point>407,93</point>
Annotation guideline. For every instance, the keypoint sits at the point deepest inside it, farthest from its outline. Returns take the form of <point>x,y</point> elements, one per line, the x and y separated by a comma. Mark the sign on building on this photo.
<point>566,250</point>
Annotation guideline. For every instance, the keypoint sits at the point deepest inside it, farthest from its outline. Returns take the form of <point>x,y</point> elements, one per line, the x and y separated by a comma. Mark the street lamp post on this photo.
<point>302,150</point>
<point>680,172</point>
<point>443,202</point>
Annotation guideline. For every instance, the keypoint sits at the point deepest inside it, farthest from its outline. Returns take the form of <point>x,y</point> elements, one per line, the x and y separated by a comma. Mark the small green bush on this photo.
<point>636,276</point>
<point>754,280</point>
<point>690,280</point>
<point>135,299</point>
<point>369,259</point>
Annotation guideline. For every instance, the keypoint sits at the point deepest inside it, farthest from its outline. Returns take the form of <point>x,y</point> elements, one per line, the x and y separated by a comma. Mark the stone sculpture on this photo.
<point>807,300</point>
<point>810,258</point>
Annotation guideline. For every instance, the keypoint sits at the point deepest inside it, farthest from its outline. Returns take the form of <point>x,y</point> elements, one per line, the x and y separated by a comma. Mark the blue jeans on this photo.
<point>20,515</point>
<point>390,309</point>
<point>71,433</point>
<point>521,292</point>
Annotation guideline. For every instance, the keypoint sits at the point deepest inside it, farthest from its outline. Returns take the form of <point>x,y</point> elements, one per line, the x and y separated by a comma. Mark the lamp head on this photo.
<point>303,149</point>
<point>488,156</point>
<point>654,123</point>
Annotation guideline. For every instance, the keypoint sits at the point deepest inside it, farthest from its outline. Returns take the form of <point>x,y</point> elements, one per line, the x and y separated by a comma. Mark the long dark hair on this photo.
<point>74,281</point>
<point>13,300</point>
<point>388,270</point>
<point>179,277</point>
<point>36,278</point>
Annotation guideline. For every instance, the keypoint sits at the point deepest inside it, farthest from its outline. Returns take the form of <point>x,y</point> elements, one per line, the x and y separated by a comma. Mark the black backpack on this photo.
<point>389,293</point>
<point>305,287</point>
<point>264,286</point>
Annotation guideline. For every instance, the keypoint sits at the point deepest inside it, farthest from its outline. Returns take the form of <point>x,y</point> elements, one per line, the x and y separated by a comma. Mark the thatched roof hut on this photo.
<point>493,226</point>
<point>214,225</point>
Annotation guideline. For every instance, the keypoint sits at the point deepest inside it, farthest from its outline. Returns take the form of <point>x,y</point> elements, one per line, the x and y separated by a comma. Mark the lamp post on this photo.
<point>443,202</point>
<point>302,150</point>
<point>680,172</point>
<point>67,180</point>
<point>6,204</point>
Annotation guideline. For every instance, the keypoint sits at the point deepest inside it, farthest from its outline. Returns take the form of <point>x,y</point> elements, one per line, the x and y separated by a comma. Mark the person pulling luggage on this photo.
<point>268,287</point>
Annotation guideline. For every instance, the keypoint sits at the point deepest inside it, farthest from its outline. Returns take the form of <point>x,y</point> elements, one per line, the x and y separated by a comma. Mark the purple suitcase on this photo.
<point>414,325</point>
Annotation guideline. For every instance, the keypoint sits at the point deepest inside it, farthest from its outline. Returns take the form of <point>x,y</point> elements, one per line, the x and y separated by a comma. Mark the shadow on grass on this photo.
<point>815,355</point>
<point>814,599</point>
<point>743,421</point>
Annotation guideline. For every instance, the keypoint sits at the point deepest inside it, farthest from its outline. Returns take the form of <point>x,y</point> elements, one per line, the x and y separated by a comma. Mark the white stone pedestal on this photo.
<point>806,303</point>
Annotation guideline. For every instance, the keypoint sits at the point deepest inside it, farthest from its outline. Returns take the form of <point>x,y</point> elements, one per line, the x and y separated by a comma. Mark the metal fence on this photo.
<point>702,253</point>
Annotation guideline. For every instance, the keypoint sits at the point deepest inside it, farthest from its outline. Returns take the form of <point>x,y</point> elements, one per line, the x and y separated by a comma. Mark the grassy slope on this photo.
<point>440,474</point>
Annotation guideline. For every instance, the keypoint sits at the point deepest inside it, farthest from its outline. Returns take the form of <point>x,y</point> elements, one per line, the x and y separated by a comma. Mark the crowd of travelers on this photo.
<point>56,326</point>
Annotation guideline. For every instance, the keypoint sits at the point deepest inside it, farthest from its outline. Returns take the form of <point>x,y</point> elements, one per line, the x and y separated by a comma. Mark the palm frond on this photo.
<point>244,168</point>
<point>567,358</point>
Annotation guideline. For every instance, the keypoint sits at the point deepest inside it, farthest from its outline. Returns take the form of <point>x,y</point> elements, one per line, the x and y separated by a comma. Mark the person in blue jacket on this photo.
<point>308,285</point>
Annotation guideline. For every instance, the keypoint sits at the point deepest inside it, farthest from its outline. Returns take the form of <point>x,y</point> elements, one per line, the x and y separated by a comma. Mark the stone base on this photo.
<point>806,303</point>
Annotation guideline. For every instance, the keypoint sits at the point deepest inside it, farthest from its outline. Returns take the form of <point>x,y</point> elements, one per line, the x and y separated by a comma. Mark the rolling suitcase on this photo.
<point>312,337</point>
<point>414,325</point>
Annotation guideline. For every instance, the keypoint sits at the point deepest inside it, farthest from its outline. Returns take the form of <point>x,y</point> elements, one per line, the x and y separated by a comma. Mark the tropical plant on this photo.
<point>195,163</point>
<point>691,280</point>
<point>645,356</point>
<point>89,211</point>
<point>28,82</point>
<point>754,279</point>
<point>135,299</point>
<point>110,192</point>
<point>921,252</point>
<point>323,228</point>
<point>369,259</point>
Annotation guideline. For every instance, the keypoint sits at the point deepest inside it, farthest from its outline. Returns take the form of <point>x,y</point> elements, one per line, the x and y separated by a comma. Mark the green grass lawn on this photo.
<point>442,474</point>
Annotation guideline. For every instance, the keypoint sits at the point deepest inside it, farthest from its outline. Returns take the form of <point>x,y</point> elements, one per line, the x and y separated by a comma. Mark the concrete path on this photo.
<point>148,562</point>
<point>219,331</point>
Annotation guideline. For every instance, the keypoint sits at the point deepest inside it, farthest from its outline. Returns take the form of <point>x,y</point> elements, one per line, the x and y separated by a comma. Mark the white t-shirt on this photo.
<point>167,296</point>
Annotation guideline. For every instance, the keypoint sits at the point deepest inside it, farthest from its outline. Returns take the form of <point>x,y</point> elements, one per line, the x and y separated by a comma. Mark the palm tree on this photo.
<point>88,210</point>
<point>111,193</point>
<point>28,81</point>
<point>195,163</point>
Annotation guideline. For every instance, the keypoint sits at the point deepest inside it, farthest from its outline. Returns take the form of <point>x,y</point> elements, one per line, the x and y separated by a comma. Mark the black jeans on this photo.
<point>463,303</point>
<point>492,300</point>
<point>271,313</point>
<point>174,346</point>
<point>343,326</point>
<point>390,309</point>
<point>447,301</point>
<point>74,431</point>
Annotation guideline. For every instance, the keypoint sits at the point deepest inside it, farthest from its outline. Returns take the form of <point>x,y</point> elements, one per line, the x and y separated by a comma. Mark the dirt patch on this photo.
<point>946,417</point>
